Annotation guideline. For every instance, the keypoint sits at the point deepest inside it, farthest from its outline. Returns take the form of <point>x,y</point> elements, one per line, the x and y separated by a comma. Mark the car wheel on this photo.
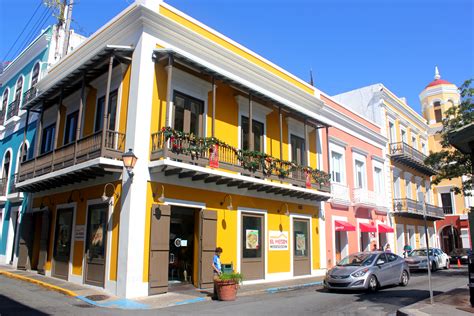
<point>448,265</point>
<point>433,266</point>
<point>372,284</point>
<point>404,278</point>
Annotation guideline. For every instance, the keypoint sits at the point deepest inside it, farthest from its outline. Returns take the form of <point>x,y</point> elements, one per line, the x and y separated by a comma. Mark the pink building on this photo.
<point>356,216</point>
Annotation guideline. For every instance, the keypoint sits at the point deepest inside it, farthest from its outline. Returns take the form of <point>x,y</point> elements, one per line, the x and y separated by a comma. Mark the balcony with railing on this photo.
<point>340,194</point>
<point>414,209</point>
<point>29,95</point>
<point>82,154</point>
<point>410,157</point>
<point>448,210</point>
<point>13,110</point>
<point>362,197</point>
<point>256,171</point>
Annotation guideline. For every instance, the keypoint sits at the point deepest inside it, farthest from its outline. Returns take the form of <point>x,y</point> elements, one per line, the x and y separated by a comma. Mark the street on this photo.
<point>20,298</point>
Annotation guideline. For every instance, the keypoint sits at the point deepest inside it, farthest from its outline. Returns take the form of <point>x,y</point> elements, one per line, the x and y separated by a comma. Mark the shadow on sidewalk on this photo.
<point>12,307</point>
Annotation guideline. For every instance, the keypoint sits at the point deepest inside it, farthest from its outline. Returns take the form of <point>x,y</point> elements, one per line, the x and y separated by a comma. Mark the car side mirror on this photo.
<point>380,262</point>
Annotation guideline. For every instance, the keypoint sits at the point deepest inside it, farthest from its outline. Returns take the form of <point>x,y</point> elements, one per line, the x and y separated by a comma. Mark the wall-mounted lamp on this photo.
<point>42,204</point>
<point>70,199</point>
<point>230,207</point>
<point>129,160</point>
<point>161,199</point>
<point>287,212</point>
<point>105,197</point>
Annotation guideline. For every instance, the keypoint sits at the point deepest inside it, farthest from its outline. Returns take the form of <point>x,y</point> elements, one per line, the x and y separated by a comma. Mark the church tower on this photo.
<point>436,98</point>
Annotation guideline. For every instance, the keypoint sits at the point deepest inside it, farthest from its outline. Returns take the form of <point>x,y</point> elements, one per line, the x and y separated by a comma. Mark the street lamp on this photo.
<point>129,160</point>
<point>421,198</point>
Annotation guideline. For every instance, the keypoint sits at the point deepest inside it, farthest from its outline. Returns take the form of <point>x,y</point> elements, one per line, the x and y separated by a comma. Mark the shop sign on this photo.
<point>214,156</point>
<point>278,240</point>
<point>251,239</point>
<point>308,180</point>
<point>79,232</point>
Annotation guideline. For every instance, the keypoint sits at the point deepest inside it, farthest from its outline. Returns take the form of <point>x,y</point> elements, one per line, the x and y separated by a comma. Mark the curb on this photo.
<point>292,287</point>
<point>40,283</point>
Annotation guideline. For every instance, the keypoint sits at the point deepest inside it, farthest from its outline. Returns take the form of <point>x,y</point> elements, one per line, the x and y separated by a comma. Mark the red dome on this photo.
<point>437,82</point>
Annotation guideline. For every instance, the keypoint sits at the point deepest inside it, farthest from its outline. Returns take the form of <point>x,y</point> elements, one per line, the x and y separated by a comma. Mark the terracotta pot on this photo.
<point>226,290</point>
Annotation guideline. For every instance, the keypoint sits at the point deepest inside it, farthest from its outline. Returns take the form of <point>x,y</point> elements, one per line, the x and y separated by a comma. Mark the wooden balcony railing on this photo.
<point>196,153</point>
<point>13,109</point>
<point>402,206</point>
<point>84,149</point>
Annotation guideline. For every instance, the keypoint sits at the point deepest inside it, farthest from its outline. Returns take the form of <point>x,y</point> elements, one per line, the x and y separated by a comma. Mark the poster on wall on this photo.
<point>214,156</point>
<point>278,240</point>
<point>79,232</point>
<point>251,239</point>
<point>301,242</point>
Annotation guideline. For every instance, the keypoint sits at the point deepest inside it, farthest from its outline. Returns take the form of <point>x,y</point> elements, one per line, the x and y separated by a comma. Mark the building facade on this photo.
<point>230,154</point>
<point>453,232</point>
<point>357,214</point>
<point>17,86</point>
<point>409,176</point>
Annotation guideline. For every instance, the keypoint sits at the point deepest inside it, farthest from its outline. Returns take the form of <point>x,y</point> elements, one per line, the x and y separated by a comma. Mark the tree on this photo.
<point>450,162</point>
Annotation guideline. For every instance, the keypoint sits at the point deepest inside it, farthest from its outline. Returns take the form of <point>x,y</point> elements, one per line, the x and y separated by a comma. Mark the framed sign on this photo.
<point>278,240</point>
<point>79,232</point>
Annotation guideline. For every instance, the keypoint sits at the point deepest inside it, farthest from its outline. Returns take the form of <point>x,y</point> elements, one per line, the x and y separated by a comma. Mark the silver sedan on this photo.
<point>367,270</point>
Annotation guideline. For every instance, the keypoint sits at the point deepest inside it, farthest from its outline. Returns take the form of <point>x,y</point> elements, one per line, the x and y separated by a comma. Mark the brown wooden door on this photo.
<point>208,233</point>
<point>159,249</point>
<point>253,247</point>
<point>62,243</point>
<point>96,244</point>
<point>25,242</point>
<point>44,241</point>
<point>301,247</point>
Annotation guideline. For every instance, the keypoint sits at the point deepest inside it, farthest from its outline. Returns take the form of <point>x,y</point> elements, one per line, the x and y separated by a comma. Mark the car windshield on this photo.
<point>459,252</point>
<point>419,252</point>
<point>358,259</point>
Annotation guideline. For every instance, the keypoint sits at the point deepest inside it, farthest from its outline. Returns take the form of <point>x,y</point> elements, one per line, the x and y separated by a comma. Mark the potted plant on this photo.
<point>227,285</point>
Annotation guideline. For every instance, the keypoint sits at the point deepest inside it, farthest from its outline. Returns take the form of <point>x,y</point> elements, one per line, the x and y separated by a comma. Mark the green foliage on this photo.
<point>450,162</point>
<point>231,276</point>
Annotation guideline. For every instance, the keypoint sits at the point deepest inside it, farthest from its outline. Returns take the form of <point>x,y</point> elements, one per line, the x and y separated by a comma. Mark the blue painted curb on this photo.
<point>292,287</point>
<point>190,301</point>
<point>119,303</point>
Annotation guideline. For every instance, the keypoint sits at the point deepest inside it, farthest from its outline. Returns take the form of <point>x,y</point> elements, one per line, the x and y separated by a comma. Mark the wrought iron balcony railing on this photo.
<point>409,156</point>
<point>413,208</point>
<point>13,109</point>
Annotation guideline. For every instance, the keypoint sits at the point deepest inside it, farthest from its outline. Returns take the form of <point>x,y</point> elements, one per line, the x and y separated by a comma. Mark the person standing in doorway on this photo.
<point>216,269</point>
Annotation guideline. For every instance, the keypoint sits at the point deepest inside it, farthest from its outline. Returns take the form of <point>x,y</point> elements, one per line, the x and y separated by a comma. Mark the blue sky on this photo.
<point>347,43</point>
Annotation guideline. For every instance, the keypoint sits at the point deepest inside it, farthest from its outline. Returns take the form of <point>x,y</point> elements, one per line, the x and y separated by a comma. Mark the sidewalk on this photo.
<point>454,302</point>
<point>187,295</point>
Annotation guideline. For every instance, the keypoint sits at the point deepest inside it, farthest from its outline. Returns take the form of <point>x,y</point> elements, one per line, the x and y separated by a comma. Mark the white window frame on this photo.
<point>296,128</point>
<point>447,189</point>
<point>424,148</point>
<point>378,165</point>
<point>408,181</point>
<point>363,159</point>
<point>7,91</point>
<point>403,131</point>
<point>392,132</point>
<point>414,142</point>
<point>339,150</point>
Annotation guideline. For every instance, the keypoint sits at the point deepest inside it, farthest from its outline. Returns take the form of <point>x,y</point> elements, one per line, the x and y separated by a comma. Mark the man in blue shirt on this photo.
<point>216,268</point>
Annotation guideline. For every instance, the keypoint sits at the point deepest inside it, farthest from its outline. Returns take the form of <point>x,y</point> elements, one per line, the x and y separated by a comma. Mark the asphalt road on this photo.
<point>20,298</point>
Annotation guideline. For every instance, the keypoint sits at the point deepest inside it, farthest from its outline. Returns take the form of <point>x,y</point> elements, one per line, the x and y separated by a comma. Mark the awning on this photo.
<point>367,228</point>
<point>342,226</point>
<point>385,229</point>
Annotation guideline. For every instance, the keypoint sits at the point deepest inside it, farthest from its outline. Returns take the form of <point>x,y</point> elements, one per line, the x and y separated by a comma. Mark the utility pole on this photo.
<point>67,25</point>
<point>421,198</point>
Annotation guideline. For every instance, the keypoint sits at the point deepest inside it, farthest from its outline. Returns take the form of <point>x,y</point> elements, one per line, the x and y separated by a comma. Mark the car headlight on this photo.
<point>360,273</point>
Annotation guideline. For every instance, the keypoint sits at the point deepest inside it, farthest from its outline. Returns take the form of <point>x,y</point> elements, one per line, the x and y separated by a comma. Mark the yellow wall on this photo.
<point>278,261</point>
<point>90,193</point>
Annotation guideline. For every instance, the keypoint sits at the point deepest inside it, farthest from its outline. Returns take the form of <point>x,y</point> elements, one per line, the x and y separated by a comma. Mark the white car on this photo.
<point>417,259</point>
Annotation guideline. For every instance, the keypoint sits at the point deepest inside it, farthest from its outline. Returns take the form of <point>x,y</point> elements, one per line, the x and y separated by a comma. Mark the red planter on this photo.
<point>226,290</point>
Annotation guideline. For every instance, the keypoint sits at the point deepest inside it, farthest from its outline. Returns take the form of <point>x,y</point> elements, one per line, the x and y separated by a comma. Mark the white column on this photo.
<point>322,210</point>
<point>132,217</point>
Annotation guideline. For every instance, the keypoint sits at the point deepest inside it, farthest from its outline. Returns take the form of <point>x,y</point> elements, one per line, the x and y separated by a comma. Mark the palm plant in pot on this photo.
<point>227,285</point>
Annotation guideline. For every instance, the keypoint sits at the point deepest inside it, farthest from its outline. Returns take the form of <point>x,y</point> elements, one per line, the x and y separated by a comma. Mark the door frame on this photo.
<point>238,265</point>
<point>333,243</point>
<point>108,284</point>
<point>72,205</point>
<point>305,217</point>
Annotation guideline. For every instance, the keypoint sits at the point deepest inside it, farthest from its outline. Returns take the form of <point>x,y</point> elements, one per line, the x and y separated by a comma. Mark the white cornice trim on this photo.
<point>359,151</point>
<point>440,89</point>
<point>337,141</point>
<point>387,95</point>
<point>379,159</point>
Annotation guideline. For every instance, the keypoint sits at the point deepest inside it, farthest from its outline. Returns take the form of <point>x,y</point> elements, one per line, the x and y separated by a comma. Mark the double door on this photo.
<point>62,243</point>
<point>301,247</point>
<point>96,244</point>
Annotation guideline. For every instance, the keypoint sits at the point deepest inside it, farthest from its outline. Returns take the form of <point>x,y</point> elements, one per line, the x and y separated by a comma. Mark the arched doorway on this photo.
<point>449,237</point>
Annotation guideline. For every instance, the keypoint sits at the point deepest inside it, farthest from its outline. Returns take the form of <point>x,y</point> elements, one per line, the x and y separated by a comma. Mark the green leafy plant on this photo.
<point>231,276</point>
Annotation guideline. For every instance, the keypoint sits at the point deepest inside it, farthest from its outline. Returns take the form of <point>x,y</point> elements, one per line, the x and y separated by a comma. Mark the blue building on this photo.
<point>17,87</point>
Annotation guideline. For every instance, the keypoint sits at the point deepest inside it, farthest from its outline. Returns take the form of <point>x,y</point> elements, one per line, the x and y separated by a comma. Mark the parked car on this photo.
<point>367,270</point>
<point>460,253</point>
<point>417,259</point>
